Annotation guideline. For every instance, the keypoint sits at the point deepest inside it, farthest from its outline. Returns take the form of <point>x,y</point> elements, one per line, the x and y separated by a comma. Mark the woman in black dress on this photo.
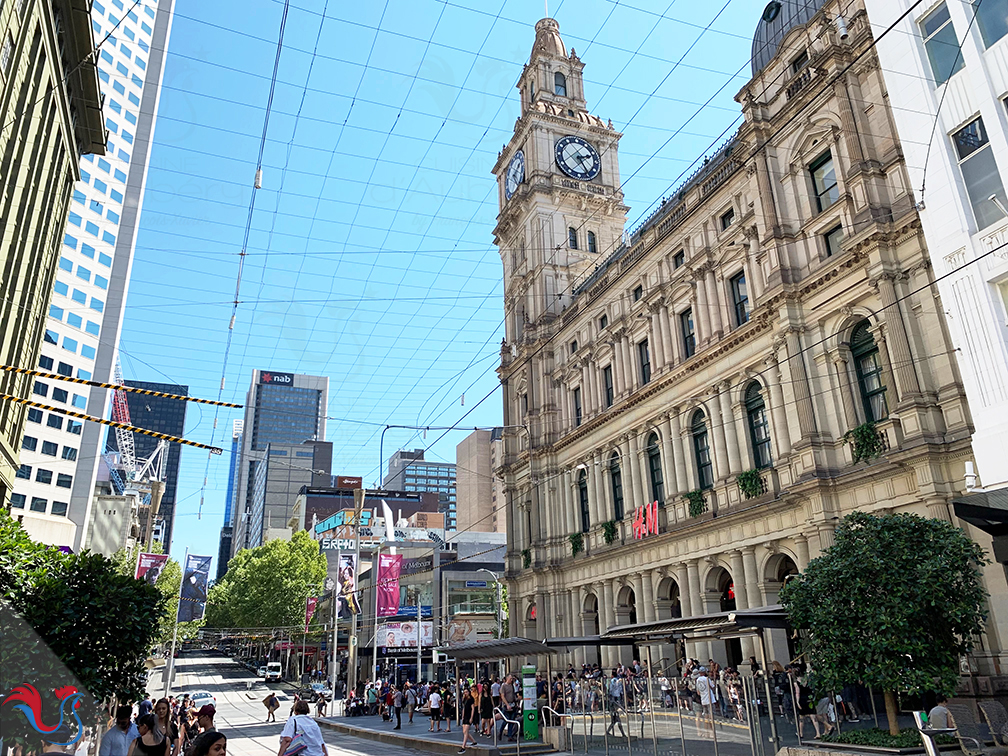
<point>151,741</point>
<point>486,709</point>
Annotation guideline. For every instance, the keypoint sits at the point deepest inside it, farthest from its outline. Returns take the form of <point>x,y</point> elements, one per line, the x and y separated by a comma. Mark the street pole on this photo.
<point>376,560</point>
<point>335,630</point>
<point>352,651</point>
<point>304,639</point>
<point>170,666</point>
<point>419,635</point>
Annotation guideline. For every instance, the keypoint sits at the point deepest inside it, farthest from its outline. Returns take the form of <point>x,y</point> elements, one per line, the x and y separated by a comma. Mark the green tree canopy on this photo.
<point>267,586</point>
<point>893,603</point>
<point>100,623</point>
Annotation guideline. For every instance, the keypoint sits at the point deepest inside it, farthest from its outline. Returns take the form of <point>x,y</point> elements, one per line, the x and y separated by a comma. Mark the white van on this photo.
<point>273,671</point>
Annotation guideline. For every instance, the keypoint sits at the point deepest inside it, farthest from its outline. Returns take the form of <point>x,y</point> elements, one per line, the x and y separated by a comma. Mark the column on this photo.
<point>777,411</point>
<point>632,500</point>
<point>682,580</point>
<point>644,465</point>
<point>593,380</point>
<point>846,391</point>
<point>754,275</point>
<point>595,480</point>
<point>766,196</point>
<point>850,126</point>
<point>637,581</point>
<point>718,431</point>
<point>751,576</point>
<point>800,383</point>
<point>631,378</point>
<point>585,393</point>
<point>617,368</point>
<point>738,578</point>
<point>666,332</point>
<point>568,502</point>
<point>565,420</point>
<point>541,614</point>
<point>573,626</point>
<point>801,546</point>
<point>697,607</point>
<point>593,511</point>
<point>657,343</point>
<point>701,312</point>
<point>678,454</point>
<point>668,466</point>
<point>647,596</point>
<point>899,345</point>
<point>731,430</point>
<point>607,618</point>
<point>714,302</point>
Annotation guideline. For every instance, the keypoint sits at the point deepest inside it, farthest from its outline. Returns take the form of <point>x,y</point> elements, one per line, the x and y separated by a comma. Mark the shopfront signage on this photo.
<point>645,520</point>
<point>476,583</point>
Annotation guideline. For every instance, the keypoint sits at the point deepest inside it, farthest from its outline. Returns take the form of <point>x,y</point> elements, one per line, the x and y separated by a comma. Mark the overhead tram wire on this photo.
<point>248,226</point>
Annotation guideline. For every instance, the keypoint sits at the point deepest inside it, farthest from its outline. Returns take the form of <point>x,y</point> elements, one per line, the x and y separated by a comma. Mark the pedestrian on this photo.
<point>210,744</point>
<point>116,742</point>
<point>486,710</point>
<point>508,704</point>
<point>411,700</point>
<point>166,724</point>
<point>272,703</point>
<point>189,727</point>
<point>204,717</point>
<point>52,741</point>
<point>615,694</point>
<point>397,703</point>
<point>301,724</point>
<point>320,705</point>
<point>803,699</point>
<point>495,691</point>
<point>150,741</point>
<point>435,708</point>
<point>448,707</point>
<point>707,693</point>
<point>938,718</point>
<point>146,706</point>
<point>470,716</point>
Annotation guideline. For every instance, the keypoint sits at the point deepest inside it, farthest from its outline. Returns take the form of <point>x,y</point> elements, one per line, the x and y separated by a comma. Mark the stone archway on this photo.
<point>777,570</point>
<point>626,606</point>
<point>530,620</point>
<point>590,626</point>
<point>669,605</point>
<point>719,596</point>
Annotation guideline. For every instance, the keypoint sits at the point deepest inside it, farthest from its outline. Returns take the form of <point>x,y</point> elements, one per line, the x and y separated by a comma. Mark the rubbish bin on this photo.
<point>530,720</point>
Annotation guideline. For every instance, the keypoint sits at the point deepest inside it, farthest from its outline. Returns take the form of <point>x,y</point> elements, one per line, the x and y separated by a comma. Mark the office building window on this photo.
<point>5,54</point>
<point>40,388</point>
<point>559,84</point>
<point>688,333</point>
<point>583,501</point>
<point>616,477</point>
<point>759,429</point>
<point>979,172</point>
<point>992,18</point>
<point>607,380</point>
<point>727,218</point>
<point>592,246</point>
<point>740,299</point>
<point>572,237</point>
<point>701,450</point>
<point>43,476</point>
<point>64,481</point>
<point>64,369</point>
<point>29,443</point>
<point>941,44</point>
<point>34,415</point>
<point>69,453</point>
<point>834,241</point>
<point>46,363</point>
<point>17,501</point>
<point>38,504</point>
<point>74,427</point>
<point>678,259</point>
<point>869,373</point>
<point>59,508</point>
<point>24,472</point>
<point>55,421</point>
<point>654,467</point>
<point>824,182</point>
<point>577,407</point>
<point>645,362</point>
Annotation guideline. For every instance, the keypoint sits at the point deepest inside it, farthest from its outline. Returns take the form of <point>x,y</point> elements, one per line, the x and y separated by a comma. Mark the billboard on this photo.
<point>388,584</point>
<point>467,628</point>
<point>347,603</point>
<point>404,634</point>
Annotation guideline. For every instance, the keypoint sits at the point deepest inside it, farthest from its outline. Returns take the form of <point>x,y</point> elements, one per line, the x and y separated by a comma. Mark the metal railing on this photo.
<point>561,716</point>
<point>516,723</point>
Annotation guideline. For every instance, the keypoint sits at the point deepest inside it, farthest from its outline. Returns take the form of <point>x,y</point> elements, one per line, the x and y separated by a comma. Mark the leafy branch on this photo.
<point>577,543</point>
<point>751,485</point>
<point>526,558</point>
<point>609,531</point>
<point>697,502</point>
<point>865,441</point>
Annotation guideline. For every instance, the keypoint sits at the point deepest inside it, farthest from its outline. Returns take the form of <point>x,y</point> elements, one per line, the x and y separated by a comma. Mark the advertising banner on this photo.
<point>404,634</point>
<point>192,602</point>
<point>466,628</point>
<point>150,566</point>
<point>389,566</point>
<point>347,603</point>
<point>309,611</point>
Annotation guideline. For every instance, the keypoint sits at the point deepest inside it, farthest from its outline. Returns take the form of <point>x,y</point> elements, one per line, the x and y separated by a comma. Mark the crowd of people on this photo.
<point>169,727</point>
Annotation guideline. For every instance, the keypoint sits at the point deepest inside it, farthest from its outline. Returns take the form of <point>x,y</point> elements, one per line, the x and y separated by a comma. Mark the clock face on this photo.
<point>577,158</point>
<point>515,174</point>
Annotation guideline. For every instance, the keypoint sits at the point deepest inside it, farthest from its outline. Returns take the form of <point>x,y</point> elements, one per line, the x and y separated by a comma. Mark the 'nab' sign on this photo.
<point>268,376</point>
<point>645,520</point>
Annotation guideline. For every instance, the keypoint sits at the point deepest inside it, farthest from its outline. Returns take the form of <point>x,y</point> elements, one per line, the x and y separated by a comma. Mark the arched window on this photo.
<point>654,467</point>
<point>701,449</point>
<point>583,500</point>
<point>572,237</point>
<point>617,486</point>
<point>532,91</point>
<point>559,84</point>
<point>759,429</point>
<point>869,373</point>
<point>592,247</point>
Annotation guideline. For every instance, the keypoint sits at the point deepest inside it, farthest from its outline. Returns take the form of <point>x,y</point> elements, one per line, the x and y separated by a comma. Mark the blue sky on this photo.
<point>370,256</point>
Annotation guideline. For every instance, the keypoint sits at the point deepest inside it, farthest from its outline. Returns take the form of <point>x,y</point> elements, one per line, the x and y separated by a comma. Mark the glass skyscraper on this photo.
<point>59,457</point>
<point>227,531</point>
<point>409,471</point>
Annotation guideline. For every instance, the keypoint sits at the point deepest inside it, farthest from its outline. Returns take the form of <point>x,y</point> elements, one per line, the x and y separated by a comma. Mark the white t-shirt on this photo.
<point>495,689</point>
<point>312,734</point>
<point>435,700</point>
<point>704,690</point>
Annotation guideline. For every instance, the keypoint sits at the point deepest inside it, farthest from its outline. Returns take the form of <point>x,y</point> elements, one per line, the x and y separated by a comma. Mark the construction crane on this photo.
<point>144,478</point>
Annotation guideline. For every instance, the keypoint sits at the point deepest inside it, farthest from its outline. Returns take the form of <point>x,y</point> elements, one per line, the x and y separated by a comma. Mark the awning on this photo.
<point>586,640</point>
<point>988,511</point>
<point>494,650</point>
<point>722,622</point>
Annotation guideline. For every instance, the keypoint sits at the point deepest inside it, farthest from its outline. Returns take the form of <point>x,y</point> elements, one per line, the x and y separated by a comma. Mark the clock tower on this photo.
<point>561,206</point>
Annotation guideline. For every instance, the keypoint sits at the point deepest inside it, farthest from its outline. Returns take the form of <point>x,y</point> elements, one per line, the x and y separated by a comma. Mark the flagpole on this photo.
<point>171,659</point>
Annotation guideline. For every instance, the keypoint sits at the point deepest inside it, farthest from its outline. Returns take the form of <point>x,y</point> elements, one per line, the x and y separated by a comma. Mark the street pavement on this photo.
<point>240,712</point>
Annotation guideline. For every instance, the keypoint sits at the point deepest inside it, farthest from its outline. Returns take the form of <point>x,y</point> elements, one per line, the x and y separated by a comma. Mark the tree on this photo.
<point>100,623</point>
<point>267,586</point>
<point>893,603</point>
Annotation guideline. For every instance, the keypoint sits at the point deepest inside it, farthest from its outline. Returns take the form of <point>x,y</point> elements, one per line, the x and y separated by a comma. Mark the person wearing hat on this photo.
<point>205,718</point>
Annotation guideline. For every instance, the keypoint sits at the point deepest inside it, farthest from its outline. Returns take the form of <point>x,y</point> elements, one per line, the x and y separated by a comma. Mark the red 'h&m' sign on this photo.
<point>645,521</point>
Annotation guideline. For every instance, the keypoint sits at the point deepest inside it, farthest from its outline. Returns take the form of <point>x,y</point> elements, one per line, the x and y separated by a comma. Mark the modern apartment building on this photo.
<point>227,531</point>
<point>476,484</point>
<point>946,69</point>
<point>59,459</point>
<point>281,471</point>
<point>280,408</point>
<point>164,416</point>
<point>50,111</point>
<point>409,471</point>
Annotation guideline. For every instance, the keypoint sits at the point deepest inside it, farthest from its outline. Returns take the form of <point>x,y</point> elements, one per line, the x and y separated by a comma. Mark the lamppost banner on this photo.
<point>150,566</point>
<point>309,611</point>
<point>192,601</point>
<point>389,566</point>
<point>347,603</point>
